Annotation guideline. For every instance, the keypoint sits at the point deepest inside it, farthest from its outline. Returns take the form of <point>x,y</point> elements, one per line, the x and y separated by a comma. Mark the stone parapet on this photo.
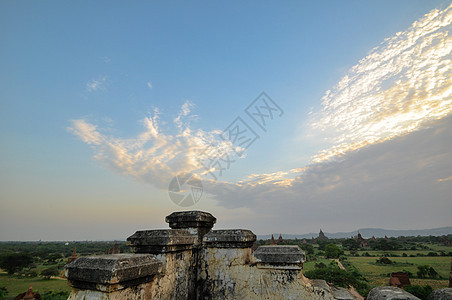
<point>230,238</point>
<point>161,241</point>
<point>109,273</point>
<point>290,256</point>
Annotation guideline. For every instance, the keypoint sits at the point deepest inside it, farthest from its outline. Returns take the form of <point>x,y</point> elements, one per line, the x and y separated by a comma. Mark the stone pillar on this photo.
<point>178,249</point>
<point>225,259</point>
<point>197,222</point>
<point>114,276</point>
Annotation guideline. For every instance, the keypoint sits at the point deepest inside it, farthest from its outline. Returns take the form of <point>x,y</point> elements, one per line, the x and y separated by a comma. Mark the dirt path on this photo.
<point>352,290</point>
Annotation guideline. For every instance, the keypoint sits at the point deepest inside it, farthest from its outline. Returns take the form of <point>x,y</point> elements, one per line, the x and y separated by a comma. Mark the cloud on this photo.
<point>96,84</point>
<point>398,88</point>
<point>445,179</point>
<point>391,183</point>
<point>149,84</point>
<point>154,156</point>
<point>393,106</point>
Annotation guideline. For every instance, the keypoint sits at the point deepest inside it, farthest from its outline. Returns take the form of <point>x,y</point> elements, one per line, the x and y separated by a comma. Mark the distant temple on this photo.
<point>280,240</point>
<point>28,295</point>
<point>272,241</point>
<point>321,236</point>
<point>72,257</point>
<point>399,279</point>
<point>361,241</point>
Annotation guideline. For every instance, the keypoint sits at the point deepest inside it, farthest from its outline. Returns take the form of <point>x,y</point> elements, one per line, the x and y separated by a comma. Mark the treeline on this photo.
<point>48,250</point>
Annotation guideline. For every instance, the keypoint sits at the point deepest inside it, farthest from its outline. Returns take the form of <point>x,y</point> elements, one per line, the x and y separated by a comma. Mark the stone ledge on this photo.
<point>287,254</point>
<point>190,219</point>
<point>229,238</point>
<point>161,241</point>
<point>390,293</point>
<point>111,272</point>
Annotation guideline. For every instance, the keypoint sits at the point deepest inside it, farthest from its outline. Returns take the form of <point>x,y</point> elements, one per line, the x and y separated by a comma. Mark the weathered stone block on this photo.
<point>287,254</point>
<point>390,293</point>
<point>230,238</point>
<point>340,293</point>
<point>161,241</point>
<point>441,294</point>
<point>111,272</point>
<point>190,219</point>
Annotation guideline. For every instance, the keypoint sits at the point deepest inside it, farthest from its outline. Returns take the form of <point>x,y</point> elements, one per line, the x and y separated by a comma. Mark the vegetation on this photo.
<point>40,263</point>
<point>425,259</point>
<point>343,278</point>
<point>333,251</point>
<point>49,272</point>
<point>425,271</point>
<point>422,292</point>
<point>12,262</point>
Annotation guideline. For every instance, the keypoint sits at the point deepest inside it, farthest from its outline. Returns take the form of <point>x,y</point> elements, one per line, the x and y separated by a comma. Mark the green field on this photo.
<point>378,274</point>
<point>16,284</point>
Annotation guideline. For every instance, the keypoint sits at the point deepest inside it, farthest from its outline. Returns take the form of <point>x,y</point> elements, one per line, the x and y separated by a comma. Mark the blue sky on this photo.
<point>80,80</point>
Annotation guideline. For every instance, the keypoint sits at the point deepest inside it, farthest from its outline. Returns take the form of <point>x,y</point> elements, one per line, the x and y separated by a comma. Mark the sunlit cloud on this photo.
<point>155,155</point>
<point>398,88</point>
<point>445,179</point>
<point>149,84</point>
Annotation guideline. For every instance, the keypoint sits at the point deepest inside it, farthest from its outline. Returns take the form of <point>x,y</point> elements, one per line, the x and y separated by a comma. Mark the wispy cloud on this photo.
<point>399,87</point>
<point>445,179</point>
<point>96,84</point>
<point>155,155</point>
<point>149,84</point>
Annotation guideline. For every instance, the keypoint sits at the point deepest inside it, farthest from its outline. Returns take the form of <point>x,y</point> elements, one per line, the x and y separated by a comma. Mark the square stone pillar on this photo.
<point>114,276</point>
<point>197,222</point>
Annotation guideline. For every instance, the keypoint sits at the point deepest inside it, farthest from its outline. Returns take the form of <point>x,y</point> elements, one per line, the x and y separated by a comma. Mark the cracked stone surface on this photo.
<point>390,293</point>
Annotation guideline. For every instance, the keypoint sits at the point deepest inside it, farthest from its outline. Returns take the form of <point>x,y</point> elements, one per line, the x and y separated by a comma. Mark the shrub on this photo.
<point>319,265</point>
<point>49,272</point>
<point>426,271</point>
<point>340,277</point>
<point>3,292</point>
<point>421,292</point>
<point>384,261</point>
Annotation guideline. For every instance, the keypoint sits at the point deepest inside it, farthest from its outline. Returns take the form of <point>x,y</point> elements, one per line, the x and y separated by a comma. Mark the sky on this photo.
<point>292,116</point>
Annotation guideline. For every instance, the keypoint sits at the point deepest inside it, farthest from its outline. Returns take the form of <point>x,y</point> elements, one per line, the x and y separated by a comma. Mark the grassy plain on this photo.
<point>19,284</point>
<point>378,274</point>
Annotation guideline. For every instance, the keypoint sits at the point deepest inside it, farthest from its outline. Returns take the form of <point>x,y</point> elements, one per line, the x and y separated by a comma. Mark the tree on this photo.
<point>308,248</point>
<point>49,272</point>
<point>13,262</point>
<point>333,251</point>
<point>350,244</point>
